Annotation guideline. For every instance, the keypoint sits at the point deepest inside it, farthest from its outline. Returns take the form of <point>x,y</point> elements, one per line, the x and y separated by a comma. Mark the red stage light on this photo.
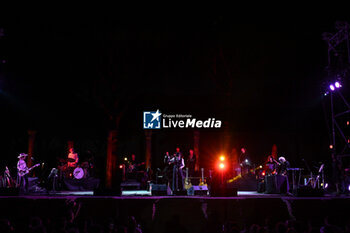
<point>121,166</point>
<point>222,158</point>
<point>263,173</point>
<point>222,165</point>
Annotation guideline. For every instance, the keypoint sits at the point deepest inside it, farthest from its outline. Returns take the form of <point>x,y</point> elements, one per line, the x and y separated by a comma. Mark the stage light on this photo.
<point>337,85</point>
<point>332,87</point>
<point>347,123</point>
<point>246,160</point>
<point>121,166</point>
<point>330,146</point>
<point>349,187</point>
<point>263,173</point>
<point>222,158</point>
<point>126,159</point>
<point>326,185</point>
<point>260,166</point>
<point>222,165</point>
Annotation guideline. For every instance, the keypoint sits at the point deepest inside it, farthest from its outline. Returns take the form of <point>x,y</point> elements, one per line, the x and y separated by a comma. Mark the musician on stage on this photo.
<point>8,180</point>
<point>168,167</point>
<point>244,161</point>
<point>179,164</point>
<point>73,156</point>
<point>167,159</point>
<point>271,165</point>
<point>191,163</point>
<point>133,166</point>
<point>283,166</point>
<point>22,177</point>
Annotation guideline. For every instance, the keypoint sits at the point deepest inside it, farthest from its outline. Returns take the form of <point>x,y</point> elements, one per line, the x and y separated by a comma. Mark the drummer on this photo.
<point>73,158</point>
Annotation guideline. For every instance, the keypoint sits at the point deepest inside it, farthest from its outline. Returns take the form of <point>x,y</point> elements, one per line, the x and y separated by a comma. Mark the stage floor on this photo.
<point>144,194</point>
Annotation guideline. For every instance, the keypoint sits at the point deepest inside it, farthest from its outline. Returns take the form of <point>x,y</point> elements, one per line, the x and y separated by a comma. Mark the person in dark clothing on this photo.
<point>168,168</point>
<point>283,166</point>
<point>191,163</point>
<point>178,177</point>
<point>271,165</point>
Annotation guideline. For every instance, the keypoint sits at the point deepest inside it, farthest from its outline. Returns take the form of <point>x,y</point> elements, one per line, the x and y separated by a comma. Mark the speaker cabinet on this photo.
<point>198,190</point>
<point>160,190</point>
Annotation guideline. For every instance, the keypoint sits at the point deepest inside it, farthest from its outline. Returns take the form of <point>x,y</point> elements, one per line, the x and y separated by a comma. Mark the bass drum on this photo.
<point>78,173</point>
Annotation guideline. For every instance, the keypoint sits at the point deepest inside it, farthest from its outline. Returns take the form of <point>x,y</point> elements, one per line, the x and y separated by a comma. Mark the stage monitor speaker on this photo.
<point>160,190</point>
<point>308,191</point>
<point>270,185</point>
<point>198,190</point>
<point>9,191</point>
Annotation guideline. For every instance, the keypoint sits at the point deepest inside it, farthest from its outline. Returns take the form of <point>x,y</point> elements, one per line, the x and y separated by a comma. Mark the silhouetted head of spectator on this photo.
<point>281,227</point>
<point>254,228</point>
<point>5,225</point>
<point>35,222</point>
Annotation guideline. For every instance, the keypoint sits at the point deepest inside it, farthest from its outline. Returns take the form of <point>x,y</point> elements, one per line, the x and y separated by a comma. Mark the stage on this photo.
<point>195,213</point>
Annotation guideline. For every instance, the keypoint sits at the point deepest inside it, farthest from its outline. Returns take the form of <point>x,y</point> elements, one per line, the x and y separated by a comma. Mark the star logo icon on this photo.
<point>156,115</point>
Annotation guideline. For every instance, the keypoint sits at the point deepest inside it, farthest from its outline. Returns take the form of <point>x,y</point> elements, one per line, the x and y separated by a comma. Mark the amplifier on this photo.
<point>198,190</point>
<point>160,190</point>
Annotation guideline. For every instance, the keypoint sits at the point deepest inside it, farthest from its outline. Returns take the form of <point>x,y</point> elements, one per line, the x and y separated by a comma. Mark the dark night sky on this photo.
<point>263,77</point>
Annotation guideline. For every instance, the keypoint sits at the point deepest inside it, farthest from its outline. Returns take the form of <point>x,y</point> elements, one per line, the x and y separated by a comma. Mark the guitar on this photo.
<point>26,171</point>
<point>187,180</point>
<point>318,177</point>
<point>202,181</point>
<point>132,167</point>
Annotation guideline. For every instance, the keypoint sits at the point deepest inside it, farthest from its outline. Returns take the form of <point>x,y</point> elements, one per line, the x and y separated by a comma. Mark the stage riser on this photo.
<point>155,213</point>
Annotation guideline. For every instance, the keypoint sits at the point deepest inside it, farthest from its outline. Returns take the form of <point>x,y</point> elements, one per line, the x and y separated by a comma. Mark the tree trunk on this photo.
<point>148,156</point>
<point>196,137</point>
<point>111,163</point>
<point>31,141</point>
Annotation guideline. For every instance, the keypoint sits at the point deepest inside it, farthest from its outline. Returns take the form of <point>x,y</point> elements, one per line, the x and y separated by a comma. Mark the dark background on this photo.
<point>63,75</point>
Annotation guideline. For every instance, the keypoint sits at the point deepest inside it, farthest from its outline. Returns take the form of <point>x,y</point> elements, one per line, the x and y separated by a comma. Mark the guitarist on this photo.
<point>22,168</point>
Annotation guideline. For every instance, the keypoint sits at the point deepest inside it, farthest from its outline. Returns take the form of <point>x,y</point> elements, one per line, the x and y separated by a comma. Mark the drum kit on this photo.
<point>78,172</point>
